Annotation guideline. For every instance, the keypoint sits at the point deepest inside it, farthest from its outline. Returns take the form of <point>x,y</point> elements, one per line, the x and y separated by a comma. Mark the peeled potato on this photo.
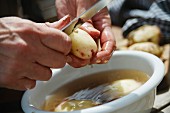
<point>123,87</point>
<point>83,45</point>
<point>72,105</point>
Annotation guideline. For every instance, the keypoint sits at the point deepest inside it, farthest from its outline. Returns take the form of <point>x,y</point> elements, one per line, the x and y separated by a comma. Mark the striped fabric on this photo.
<point>134,15</point>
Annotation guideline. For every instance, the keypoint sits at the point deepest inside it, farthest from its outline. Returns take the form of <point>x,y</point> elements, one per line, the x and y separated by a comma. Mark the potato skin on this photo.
<point>83,45</point>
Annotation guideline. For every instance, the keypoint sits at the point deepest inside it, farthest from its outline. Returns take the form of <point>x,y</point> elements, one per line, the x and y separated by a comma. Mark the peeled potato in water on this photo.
<point>72,105</point>
<point>83,45</point>
<point>123,87</point>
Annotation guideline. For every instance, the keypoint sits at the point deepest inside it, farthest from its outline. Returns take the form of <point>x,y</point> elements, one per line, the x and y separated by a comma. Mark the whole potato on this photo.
<point>146,33</point>
<point>149,47</point>
<point>123,87</point>
<point>83,45</point>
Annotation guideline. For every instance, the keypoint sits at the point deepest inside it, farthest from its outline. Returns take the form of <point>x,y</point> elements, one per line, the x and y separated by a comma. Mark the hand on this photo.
<point>28,50</point>
<point>101,21</point>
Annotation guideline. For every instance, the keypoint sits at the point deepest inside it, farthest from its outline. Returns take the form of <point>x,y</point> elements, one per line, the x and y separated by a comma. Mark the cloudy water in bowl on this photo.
<point>121,80</point>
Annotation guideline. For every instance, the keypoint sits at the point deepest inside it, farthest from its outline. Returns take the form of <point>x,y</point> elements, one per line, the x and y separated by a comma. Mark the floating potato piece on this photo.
<point>146,33</point>
<point>72,105</point>
<point>147,47</point>
<point>51,102</point>
<point>83,45</point>
<point>123,87</point>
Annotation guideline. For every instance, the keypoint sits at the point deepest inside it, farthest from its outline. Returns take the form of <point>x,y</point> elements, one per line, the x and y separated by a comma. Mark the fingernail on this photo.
<point>61,23</point>
<point>69,59</point>
<point>105,61</point>
<point>98,61</point>
<point>28,86</point>
<point>66,17</point>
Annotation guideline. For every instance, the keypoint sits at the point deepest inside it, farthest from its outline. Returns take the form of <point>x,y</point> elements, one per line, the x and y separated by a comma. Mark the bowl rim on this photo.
<point>151,84</point>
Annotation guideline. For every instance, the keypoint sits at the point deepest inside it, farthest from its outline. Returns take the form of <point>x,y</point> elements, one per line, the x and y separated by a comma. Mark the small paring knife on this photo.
<point>86,15</point>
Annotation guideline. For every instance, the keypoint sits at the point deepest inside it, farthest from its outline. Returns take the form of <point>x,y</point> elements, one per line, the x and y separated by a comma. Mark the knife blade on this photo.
<point>86,15</point>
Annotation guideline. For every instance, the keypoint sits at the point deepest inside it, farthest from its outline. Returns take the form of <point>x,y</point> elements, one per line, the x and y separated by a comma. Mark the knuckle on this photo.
<point>21,47</point>
<point>27,27</point>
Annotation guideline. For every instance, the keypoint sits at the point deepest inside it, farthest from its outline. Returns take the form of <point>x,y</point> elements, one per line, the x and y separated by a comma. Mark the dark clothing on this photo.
<point>35,10</point>
<point>8,8</point>
<point>131,14</point>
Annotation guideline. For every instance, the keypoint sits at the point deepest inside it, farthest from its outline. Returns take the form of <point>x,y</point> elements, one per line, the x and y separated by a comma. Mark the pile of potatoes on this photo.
<point>146,38</point>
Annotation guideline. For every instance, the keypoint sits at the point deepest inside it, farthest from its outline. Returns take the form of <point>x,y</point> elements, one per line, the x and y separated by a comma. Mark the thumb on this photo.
<point>60,23</point>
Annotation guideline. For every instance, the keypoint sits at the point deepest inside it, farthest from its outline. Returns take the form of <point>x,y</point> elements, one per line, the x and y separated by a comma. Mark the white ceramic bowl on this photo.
<point>139,101</point>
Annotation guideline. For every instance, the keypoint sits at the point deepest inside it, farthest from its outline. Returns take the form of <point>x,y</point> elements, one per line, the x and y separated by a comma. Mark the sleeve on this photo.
<point>8,8</point>
<point>157,14</point>
<point>120,10</point>
<point>39,10</point>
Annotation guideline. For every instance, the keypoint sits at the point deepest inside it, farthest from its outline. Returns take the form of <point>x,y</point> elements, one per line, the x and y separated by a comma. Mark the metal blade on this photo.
<point>88,14</point>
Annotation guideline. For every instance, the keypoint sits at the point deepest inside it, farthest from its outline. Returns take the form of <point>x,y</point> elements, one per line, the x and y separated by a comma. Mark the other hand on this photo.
<point>101,21</point>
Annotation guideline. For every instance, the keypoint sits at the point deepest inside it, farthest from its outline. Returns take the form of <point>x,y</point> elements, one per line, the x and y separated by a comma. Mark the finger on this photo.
<point>38,72</point>
<point>18,84</point>
<point>26,83</point>
<point>56,39</point>
<point>89,28</point>
<point>59,24</point>
<point>65,7</point>
<point>76,62</point>
<point>108,40</point>
<point>108,44</point>
<point>50,58</point>
<point>101,60</point>
<point>102,19</point>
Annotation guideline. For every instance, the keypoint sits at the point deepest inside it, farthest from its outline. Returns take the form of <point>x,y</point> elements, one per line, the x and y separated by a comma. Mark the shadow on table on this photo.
<point>163,86</point>
<point>154,110</point>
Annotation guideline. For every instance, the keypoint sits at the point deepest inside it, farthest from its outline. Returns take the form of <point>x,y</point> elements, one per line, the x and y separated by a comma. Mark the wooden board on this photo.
<point>162,102</point>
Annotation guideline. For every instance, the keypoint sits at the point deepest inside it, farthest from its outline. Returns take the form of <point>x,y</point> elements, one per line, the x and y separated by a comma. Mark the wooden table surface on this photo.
<point>162,101</point>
